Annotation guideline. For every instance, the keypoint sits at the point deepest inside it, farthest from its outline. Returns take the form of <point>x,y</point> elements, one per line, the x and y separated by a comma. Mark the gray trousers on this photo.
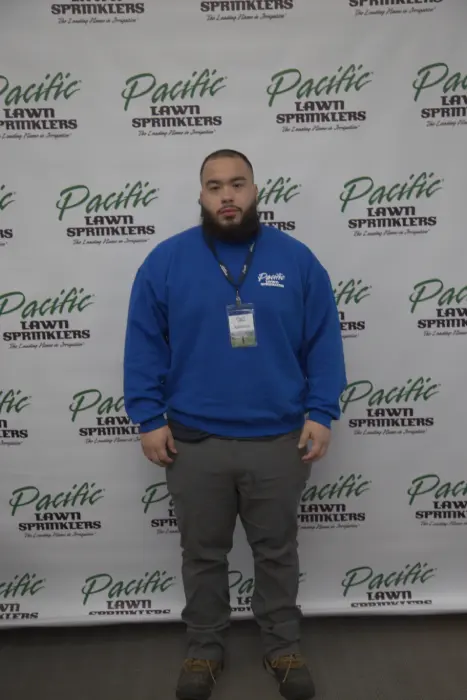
<point>211,482</point>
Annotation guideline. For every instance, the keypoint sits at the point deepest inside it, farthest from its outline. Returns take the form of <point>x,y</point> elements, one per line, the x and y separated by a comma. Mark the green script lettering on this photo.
<point>364,186</point>
<point>157,581</point>
<point>278,190</point>
<point>436,73</point>
<point>90,398</point>
<point>77,496</point>
<point>10,401</point>
<point>427,483</point>
<point>49,89</point>
<point>337,83</point>
<point>6,198</point>
<point>21,586</point>
<point>344,487</point>
<point>155,494</point>
<point>434,289</point>
<point>199,85</point>
<point>350,292</point>
<point>413,390</point>
<point>13,301</point>
<point>243,586</point>
<point>246,586</point>
<point>409,575</point>
<point>76,195</point>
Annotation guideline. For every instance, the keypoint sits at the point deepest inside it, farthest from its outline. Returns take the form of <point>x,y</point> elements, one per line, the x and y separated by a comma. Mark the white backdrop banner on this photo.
<point>354,114</point>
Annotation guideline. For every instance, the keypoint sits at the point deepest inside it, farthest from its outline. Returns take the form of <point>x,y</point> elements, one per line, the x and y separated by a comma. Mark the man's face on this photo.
<point>228,192</point>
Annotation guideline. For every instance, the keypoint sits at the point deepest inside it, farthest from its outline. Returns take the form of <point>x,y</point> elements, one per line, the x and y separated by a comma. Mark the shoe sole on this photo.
<point>192,696</point>
<point>180,695</point>
<point>304,696</point>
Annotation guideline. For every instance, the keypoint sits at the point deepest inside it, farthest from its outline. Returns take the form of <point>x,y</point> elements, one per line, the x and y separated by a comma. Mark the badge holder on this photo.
<point>241,317</point>
<point>242,330</point>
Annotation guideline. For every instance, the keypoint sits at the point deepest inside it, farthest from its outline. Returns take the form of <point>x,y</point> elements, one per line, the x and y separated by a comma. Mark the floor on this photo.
<point>351,659</point>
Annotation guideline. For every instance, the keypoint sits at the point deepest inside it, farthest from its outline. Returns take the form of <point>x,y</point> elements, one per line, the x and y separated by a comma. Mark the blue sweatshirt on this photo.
<point>179,362</point>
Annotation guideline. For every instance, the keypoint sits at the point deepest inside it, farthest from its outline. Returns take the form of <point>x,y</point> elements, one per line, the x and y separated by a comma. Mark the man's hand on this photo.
<point>320,437</point>
<point>156,444</point>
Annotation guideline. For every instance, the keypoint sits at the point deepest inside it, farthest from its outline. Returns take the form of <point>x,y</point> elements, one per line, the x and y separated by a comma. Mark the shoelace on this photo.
<point>199,666</point>
<point>290,661</point>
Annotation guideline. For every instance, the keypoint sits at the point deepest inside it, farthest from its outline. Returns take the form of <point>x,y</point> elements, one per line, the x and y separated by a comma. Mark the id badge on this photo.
<point>242,325</point>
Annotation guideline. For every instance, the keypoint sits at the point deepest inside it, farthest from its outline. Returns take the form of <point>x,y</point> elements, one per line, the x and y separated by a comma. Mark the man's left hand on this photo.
<point>320,437</point>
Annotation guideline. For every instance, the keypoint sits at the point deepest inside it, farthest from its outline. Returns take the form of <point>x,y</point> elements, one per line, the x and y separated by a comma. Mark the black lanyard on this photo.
<point>227,274</point>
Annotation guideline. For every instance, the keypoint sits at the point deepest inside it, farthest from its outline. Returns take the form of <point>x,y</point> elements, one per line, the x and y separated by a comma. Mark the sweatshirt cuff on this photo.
<point>153,424</point>
<point>321,418</point>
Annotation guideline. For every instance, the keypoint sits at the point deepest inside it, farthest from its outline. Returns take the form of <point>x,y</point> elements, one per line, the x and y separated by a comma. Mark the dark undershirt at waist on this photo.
<point>183,434</point>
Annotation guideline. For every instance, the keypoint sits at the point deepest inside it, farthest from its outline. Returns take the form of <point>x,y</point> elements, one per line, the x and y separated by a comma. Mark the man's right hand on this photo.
<point>156,444</point>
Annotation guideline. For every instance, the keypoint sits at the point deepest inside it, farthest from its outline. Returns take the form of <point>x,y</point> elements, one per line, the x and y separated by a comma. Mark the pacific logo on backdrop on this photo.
<point>164,521</point>
<point>277,192</point>
<point>245,10</point>
<point>390,209</point>
<point>98,11</point>
<point>56,515</point>
<point>348,294</point>
<point>438,81</point>
<point>24,115</point>
<point>379,589</point>
<point>382,8</point>
<point>6,200</point>
<point>318,103</point>
<point>139,596</point>
<point>448,307</point>
<point>242,588</point>
<point>44,323</point>
<point>12,403</point>
<point>393,411</point>
<point>326,506</point>
<point>175,109</point>
<point>105,416</point>
<point>18,591</point>
<point>107,218</point>
<point>438,503</point>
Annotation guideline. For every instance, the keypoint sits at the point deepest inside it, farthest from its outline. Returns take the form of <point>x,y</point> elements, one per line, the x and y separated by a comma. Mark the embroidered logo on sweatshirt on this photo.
<point>276,280</point>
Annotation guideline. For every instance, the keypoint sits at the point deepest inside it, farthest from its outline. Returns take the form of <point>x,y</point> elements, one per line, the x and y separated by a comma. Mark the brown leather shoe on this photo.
<point>197,679</point>
<point>293,676</point>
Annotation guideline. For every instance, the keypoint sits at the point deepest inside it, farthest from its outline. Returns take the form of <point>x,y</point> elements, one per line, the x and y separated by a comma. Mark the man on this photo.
<point>233,364</point>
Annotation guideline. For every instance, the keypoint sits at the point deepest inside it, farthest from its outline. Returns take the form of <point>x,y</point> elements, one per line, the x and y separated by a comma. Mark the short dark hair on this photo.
<point>225,153</point>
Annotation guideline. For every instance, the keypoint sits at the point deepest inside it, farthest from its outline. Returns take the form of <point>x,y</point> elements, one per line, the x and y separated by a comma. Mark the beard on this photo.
<point>232,233</point>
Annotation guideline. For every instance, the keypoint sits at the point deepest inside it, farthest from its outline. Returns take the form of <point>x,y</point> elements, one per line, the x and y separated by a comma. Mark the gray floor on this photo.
<point>352,659</point>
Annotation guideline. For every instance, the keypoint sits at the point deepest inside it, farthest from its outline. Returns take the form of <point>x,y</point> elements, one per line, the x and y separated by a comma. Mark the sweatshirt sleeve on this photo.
<point>147,352</point>
<point>324,351</point>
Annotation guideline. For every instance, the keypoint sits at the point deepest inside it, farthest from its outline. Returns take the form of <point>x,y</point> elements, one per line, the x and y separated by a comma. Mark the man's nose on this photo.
<point>227,194</point>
